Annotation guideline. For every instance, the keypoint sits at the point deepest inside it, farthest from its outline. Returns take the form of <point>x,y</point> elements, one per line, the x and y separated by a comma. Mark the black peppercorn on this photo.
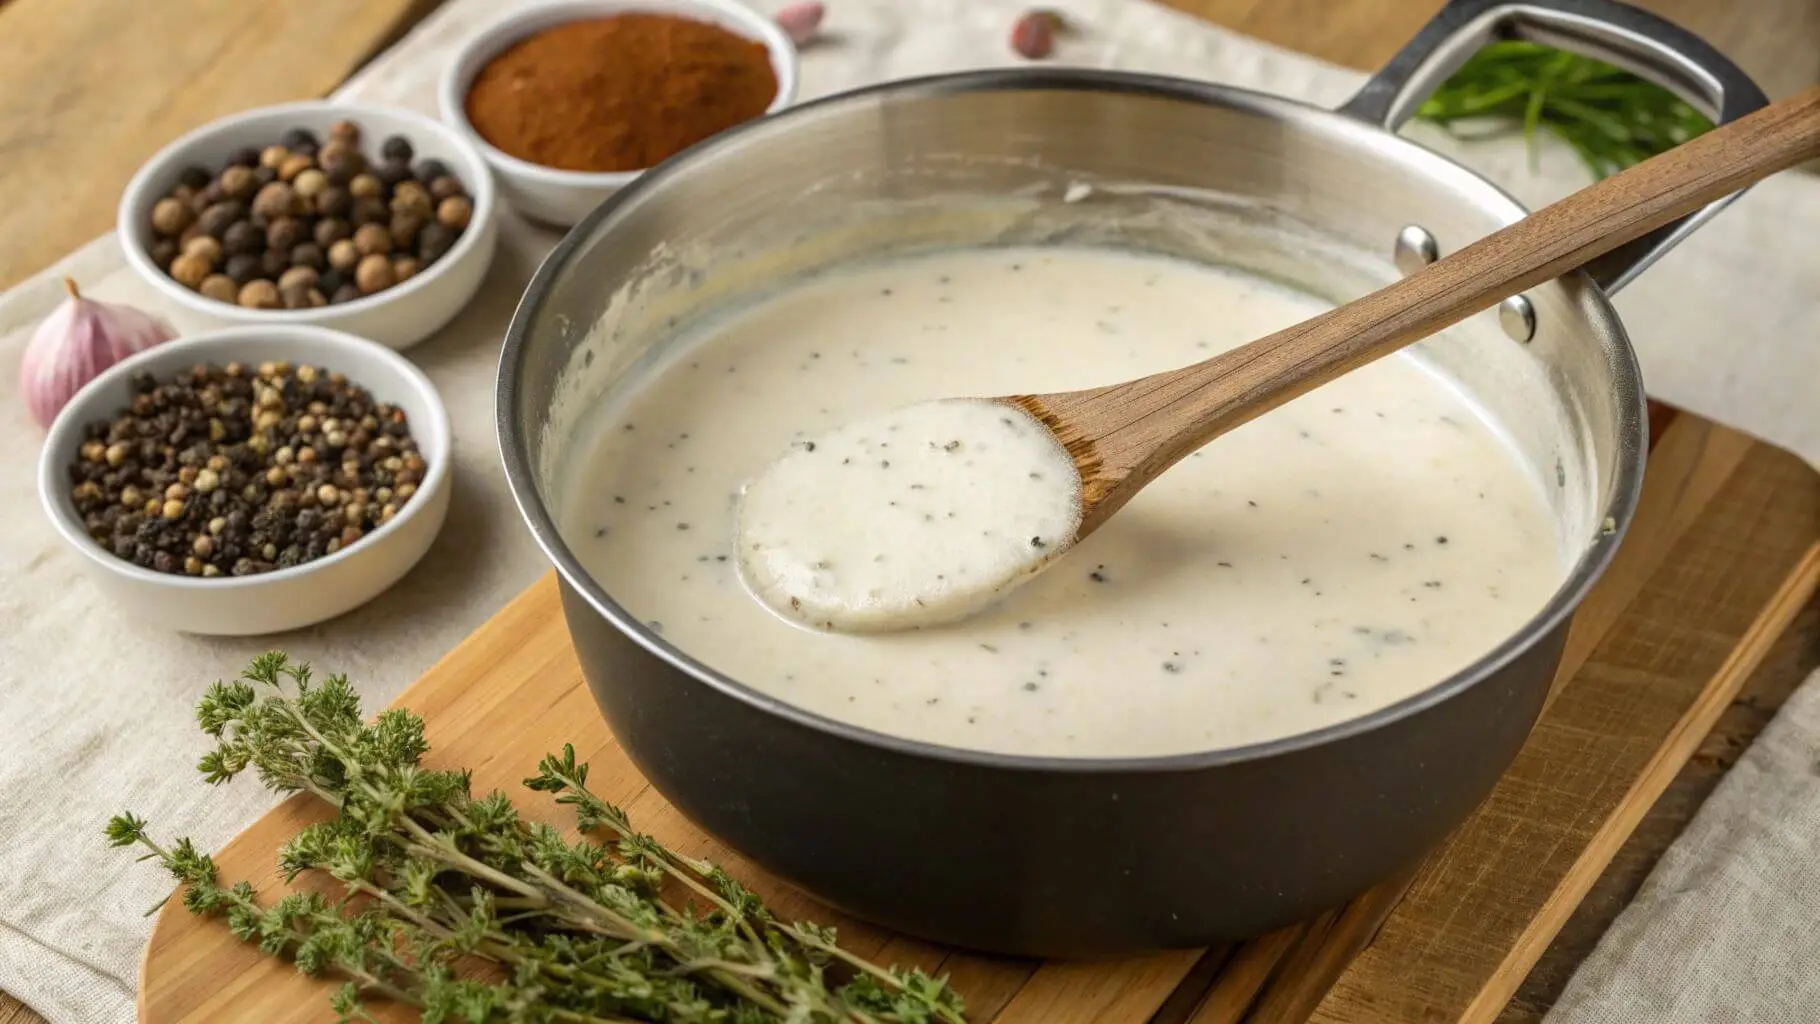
<point>254,496</point>
<point>370,210</point>
<point>392,172</point>
<point>340,161</point>
<point>283,234</point>
<point>434,242</point>
<point>332,230</point>
<point>445,187</point>
<point>220,216</point>
<point>309,203</point>
<point>163,251</point>
<point>307,254</point>
<point>242,267</point>
<point>333,201</point>
<point>242,237</point>
<point>299,140</point>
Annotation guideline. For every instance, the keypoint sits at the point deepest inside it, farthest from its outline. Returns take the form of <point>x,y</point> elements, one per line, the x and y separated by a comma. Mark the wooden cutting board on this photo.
<point>1724,552</point>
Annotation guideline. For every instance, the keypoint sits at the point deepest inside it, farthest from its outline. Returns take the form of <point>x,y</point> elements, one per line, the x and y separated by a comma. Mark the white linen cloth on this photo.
<point>95,710</point>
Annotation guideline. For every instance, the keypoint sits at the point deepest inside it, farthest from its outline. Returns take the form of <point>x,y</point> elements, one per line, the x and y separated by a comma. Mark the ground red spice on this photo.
<point>620,93</point>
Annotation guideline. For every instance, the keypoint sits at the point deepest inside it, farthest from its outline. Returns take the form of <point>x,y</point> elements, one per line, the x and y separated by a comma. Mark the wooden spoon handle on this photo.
<point>1139,428</point>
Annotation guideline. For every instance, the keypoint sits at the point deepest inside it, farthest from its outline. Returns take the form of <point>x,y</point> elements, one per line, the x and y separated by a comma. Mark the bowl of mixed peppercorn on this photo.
<point>375,221</point>
<point>250,480</point>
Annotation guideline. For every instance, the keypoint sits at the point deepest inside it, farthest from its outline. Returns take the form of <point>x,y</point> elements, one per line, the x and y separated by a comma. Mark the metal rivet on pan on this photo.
<point>1415,249</point>
<point>1518,318</point>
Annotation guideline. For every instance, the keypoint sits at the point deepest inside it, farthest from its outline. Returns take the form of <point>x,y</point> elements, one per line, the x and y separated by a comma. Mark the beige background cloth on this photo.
<point>95,709</point>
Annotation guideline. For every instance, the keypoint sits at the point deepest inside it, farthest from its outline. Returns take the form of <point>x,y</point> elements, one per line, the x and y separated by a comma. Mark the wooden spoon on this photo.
<point>823,538</point>
<point>1124,435</point>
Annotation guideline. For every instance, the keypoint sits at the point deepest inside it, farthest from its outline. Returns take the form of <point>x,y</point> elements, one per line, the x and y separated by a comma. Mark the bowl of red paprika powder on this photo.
<point>569,101</point>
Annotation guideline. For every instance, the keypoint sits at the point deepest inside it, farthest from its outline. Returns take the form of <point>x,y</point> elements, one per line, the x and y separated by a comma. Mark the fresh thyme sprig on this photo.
<point>1610,117</point>
<point>436,880</point>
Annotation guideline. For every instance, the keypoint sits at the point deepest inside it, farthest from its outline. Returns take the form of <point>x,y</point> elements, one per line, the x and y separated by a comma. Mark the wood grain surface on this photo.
<point>88,88</point>
<point>1723,556</point>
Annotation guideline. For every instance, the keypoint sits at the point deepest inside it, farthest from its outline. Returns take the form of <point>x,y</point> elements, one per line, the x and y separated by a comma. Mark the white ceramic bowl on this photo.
<point>282,599</point>
<point>398,317</point>
<point>560,198</point>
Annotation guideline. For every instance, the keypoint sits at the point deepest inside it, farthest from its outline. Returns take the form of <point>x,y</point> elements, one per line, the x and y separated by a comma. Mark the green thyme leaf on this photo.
<point>616,931</point>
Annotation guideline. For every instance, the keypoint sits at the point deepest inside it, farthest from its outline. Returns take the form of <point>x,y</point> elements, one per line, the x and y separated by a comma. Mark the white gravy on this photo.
<point>917,516</point>
<point>1345,551</point>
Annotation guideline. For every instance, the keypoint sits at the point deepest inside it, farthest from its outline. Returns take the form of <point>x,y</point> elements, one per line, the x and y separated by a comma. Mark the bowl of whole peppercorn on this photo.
<point>571,100</point>
<point>250,480</point>
<point>374,221</point>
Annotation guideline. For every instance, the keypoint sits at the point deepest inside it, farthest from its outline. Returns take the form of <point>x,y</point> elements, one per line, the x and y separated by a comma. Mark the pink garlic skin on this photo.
<point>800,21</point>
<point>73,345</point>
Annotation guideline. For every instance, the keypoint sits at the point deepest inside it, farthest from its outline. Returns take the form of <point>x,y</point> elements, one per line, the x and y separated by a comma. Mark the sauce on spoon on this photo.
<point>920,516</point>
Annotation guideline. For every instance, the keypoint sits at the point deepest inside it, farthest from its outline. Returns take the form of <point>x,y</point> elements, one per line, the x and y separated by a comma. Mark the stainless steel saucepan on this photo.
<point>1034,855</point>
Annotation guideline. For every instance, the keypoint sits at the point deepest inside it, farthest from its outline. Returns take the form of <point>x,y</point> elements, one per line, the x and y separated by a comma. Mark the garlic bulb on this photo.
<point>75,343</point>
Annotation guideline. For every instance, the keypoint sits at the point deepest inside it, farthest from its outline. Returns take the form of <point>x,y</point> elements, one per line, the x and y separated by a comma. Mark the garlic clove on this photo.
<point>801,21</point>
<point>81,338</point>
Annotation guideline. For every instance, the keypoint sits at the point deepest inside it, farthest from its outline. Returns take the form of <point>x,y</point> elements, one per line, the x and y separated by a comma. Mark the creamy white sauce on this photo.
<point>1350,549</point>
<point>917,516</point>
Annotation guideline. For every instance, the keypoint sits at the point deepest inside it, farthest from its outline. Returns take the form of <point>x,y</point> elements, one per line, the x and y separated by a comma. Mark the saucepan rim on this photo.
<point>1630,449</point>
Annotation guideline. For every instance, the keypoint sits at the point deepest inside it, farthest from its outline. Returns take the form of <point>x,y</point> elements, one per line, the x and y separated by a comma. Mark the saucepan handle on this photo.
<point>1617,33</point>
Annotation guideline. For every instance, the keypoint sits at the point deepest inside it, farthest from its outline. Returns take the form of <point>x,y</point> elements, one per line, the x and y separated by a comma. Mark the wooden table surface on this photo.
<point>90,88</point>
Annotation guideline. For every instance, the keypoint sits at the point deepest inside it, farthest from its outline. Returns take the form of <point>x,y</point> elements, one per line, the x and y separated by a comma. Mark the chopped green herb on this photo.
<point>1611,117</point>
